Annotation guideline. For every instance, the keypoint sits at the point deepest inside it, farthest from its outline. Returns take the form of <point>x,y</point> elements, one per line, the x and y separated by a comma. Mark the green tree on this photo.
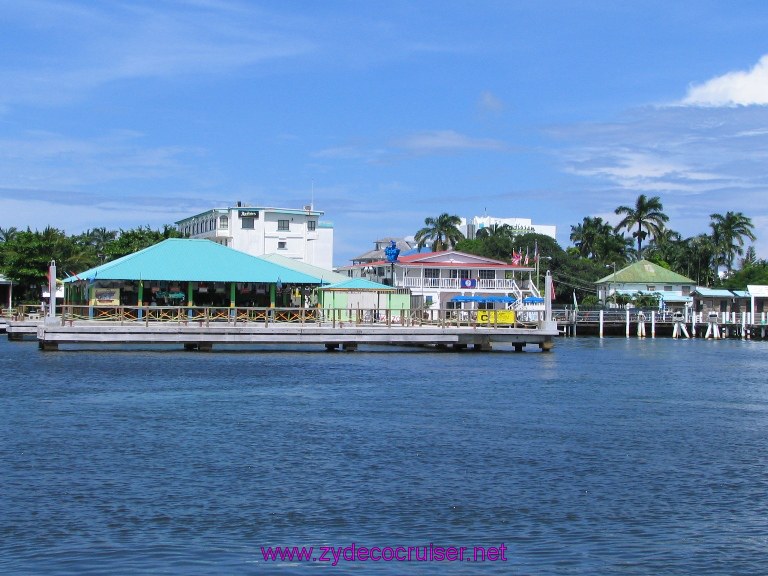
<point>750,258</point>
<point>729,232</point>
<point>756,273</point>
<point>597,240</point>
<point>697,257</point>
<point>440,233</point>
<point>647,215</point>
<point>28,255</point>
<point>496,231</point>
<point>585,236</point>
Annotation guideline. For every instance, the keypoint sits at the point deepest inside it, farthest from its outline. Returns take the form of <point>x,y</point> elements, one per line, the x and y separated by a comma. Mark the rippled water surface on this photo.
<point>603,457</point>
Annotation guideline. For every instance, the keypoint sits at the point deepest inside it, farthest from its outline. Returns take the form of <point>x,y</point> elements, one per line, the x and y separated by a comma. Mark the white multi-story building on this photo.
<point>295,233</point>
<point>520,225</point>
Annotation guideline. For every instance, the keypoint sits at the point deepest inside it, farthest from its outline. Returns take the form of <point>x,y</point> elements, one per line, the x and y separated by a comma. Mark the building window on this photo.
<point>486,274</point>
<point>667,288</point>
<point>311,225</point>
<point>460,274</point>
<point>283,224</point>
<point>282,245</point>
<point>247,223</point>
<point>686,290</point>
<point>223,222</point>
<point>431,273</point>
<point>651,288</point>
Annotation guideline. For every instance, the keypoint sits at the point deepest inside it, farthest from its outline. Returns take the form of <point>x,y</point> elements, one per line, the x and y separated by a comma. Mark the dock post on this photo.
<point>47,346</point>
<point>653,324</point>
<point>627,323</point>
<point>641,324</point>
<point>601,323</point>
<point>743,326</point>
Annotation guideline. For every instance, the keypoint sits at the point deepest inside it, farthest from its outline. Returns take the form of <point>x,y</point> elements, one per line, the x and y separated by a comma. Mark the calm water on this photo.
<point>603,457</point>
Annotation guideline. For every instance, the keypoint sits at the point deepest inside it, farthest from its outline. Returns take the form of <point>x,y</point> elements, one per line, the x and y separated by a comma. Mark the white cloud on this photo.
<point>489,102</point>
<point>738,88</point>
<point>438,141</point>
<point>100,44</point>
<point>698,160</point>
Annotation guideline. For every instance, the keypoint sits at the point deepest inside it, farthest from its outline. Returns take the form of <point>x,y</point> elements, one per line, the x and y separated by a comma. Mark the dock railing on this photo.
<point>211,315</point>
<point>617,316</point>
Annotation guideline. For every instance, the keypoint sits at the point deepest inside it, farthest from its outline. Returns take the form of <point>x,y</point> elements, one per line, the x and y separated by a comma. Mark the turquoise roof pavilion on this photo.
<point>200,271</point>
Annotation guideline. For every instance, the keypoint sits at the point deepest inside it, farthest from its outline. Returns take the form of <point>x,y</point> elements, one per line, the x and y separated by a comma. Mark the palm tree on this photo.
<point>647,215</point>
<point>698,253</point>
<point>587,235</point>
<point>729,232</point>
<point>496,231</point>
<point>441,232</point>
<point>7,234</point>
<point>666,246</point>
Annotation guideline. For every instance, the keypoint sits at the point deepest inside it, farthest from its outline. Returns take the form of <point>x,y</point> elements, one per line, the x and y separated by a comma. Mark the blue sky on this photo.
<point>129,113</point>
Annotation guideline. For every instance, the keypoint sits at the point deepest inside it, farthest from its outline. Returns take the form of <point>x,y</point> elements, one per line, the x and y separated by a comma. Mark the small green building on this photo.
<point>357,297</point>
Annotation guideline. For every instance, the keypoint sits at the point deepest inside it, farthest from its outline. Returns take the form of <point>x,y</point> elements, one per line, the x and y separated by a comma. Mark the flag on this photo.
<point>575,304</point>
<point>526,255</point>
<point>552,296</point>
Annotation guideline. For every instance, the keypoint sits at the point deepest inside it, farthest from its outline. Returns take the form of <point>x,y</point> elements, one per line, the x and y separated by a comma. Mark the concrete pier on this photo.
<point>203,338</point>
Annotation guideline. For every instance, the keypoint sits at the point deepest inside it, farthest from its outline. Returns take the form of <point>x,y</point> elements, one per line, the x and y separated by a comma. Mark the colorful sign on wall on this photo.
<point>106,297</point>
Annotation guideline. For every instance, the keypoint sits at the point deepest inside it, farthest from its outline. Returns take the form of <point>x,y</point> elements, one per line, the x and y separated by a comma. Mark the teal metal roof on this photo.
<point>193,260</point>
<point>327,276</point>
<point>358,284</point>
<point>716,293</point>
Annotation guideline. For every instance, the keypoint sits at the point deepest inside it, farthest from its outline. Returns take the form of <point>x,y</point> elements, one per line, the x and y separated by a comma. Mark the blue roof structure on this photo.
<point>412,251</point>
<point>193,260</point>
<point>504,299</point>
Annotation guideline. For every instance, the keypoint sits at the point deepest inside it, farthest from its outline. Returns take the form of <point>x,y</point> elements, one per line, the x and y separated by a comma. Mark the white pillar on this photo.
<point>52,289</point>
<point>601,323</point>
<point>653,324</point>
<point>743,325</point>
<point>627,322</point>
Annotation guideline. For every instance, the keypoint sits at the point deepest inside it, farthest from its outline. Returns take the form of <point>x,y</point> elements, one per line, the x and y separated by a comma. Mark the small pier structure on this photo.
<point>635,323</point>
<point>202,328</point>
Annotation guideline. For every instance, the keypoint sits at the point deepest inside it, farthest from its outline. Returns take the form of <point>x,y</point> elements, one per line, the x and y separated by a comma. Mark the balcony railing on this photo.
<point>502,284</point>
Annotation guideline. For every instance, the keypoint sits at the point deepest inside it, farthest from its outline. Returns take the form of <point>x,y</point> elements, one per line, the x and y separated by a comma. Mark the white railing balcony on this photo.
<point>501,284</point>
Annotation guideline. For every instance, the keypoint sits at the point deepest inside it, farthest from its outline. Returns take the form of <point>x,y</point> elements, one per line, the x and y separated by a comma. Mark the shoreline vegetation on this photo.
<point>719,258</point>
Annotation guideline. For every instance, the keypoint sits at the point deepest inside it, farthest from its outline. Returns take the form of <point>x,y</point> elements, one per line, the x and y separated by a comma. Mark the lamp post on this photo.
<point>392,252</point>
<point>538,258</point>
<point>613,279</point>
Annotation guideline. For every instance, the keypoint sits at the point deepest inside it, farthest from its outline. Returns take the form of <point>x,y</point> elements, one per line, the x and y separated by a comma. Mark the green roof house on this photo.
<point>648,278</point>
